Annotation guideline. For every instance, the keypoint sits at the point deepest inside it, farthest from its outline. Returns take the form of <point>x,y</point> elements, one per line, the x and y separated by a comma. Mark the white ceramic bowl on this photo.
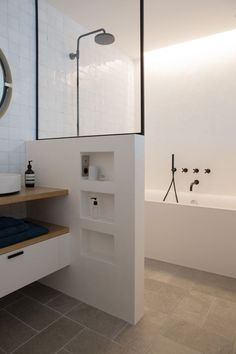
<point>10,183</point>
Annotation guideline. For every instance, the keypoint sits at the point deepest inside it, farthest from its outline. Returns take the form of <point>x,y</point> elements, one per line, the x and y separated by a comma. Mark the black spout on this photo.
<point>196,181</point>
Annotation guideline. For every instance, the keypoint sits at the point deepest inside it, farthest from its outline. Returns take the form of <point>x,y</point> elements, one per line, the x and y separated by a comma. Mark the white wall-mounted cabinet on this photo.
<point>29,260</point>
<point>107,239</point>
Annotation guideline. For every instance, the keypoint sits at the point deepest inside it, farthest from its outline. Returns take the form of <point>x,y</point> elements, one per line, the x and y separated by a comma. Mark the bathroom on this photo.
<point>85,86</point>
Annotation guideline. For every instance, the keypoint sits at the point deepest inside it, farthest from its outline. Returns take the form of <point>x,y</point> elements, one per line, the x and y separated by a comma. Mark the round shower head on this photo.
<point>104,38</point>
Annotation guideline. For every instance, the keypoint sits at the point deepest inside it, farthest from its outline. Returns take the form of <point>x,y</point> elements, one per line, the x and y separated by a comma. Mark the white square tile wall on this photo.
<point>17,40</point>
<point>106,81</point>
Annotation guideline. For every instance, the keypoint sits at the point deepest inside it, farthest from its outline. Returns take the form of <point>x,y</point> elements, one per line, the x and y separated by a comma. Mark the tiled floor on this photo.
<point>186,312</point>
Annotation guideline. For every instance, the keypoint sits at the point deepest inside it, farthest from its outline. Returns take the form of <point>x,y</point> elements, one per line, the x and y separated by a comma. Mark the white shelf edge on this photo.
<point>97,225</point>
<point>97,186</point>
<point>98,257</point>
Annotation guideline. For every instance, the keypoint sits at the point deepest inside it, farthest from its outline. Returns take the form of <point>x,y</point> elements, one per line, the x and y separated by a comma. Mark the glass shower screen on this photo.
<point>89,80</point>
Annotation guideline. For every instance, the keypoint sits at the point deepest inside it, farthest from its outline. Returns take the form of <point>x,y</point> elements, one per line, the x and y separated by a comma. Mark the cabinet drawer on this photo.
<point>23,266</point>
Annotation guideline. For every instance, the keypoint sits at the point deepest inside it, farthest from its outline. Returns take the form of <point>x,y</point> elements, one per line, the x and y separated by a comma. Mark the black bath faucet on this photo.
<point>196,181</point>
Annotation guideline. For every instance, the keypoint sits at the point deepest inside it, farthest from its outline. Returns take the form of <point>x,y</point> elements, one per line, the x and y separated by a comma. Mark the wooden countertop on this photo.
<point>29,194</point>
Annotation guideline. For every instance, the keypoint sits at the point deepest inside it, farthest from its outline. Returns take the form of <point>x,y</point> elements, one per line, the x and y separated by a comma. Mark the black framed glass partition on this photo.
<point>90,68</point>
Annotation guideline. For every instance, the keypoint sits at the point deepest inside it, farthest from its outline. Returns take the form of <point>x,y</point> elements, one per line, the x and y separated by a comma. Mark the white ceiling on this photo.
<point>167,22</point>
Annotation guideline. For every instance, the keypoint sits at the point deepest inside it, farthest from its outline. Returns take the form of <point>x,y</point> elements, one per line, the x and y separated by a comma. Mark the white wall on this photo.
<point>17,40</point>
<point>191,111</point>
<point>106,256</point>
<point>106,81</point>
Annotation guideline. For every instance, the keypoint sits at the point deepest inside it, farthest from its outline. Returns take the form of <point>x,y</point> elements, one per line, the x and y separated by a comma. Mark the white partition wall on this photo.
<point>107,247</point>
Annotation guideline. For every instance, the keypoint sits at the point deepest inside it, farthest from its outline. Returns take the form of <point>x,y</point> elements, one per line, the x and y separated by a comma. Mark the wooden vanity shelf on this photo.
<point>29,194</point>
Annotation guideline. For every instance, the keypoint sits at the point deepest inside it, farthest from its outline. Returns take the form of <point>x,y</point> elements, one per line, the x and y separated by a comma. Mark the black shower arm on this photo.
<point>88,34</point>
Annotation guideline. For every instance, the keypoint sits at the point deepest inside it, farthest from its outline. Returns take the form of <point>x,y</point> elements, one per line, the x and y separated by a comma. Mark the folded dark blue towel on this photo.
<point>13,230</point>
<point>34,230</point>
<point>6,221</point>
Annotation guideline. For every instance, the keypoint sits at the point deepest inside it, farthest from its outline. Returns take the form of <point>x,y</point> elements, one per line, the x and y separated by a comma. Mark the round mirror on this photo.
<point>5,84</point>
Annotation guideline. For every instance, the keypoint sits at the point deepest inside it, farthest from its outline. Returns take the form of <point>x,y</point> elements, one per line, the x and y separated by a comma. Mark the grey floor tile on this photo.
<point>52,339</point>
<point>33,313</point>
<point>180,276</point>
<point>222,319</point>
<point>216,285</point>
<point>63,351</point>
<point>152,285</point>
<point>163,345</point>
<point>196,337</point>
<point>194,308</point>
<point>89,342</point>
<point>63,303</point>
<point>13,333</point>
<point>96,320</point>
<point>166,299</point>
<point>8,299</point>
<point>183,277</point>
<point>40,292</point>
<point>186,312</point>
<point>141,336</point>
<point>158,270</point>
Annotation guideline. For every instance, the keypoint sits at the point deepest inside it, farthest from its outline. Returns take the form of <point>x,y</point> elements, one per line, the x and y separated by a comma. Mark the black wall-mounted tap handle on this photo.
<point>184,170</point>
<point>207,170</point>
<point>195,170</point>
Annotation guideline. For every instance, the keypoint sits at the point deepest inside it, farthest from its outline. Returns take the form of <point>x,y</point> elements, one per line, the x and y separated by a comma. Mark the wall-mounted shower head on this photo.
<point>103,38</point>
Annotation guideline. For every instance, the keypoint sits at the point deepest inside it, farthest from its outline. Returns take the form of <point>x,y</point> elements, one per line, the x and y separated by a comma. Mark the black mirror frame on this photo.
<point>7,92</point>
<point>142,98</point>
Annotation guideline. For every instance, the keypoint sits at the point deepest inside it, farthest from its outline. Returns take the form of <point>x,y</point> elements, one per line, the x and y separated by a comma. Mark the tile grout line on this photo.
<point>64,314</point>
<point>39,332</point>
<point>66,350</point>
<point>211,307</point>
<point>90,329</point>
<point>70,340</point>
<point>45,328</point>
<point>28,325</point>
<point>13,302</point>
<point>119,332</point>
<point>51,308</point>
<point>54,298</point>
<point>24,323</point>
<point>45,305</point>
<point>4,351</point>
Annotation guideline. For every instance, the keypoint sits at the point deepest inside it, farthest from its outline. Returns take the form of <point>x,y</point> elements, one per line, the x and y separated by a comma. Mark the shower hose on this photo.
<point>172,183</point>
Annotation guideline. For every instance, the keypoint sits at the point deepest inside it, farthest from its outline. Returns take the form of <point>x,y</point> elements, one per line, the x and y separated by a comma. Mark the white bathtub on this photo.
<point>199,232</point>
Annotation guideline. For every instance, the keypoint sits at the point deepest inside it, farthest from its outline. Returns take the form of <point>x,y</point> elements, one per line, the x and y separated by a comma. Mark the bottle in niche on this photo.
<point>94,208</point>
<point>29,176</point>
